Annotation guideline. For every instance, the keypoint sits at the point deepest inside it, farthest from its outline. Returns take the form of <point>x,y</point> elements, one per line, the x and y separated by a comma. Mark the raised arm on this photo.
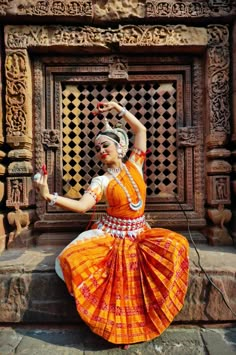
<point>137,127</point>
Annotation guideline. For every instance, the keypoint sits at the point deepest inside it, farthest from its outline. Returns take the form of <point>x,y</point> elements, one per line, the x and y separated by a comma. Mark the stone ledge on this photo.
<point>30,291</point>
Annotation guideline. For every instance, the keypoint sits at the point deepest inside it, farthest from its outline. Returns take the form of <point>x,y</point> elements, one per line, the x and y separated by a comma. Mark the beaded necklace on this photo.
<point>133,206</point>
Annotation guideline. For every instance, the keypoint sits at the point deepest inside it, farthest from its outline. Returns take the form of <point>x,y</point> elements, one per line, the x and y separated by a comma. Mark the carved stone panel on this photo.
<point>18,99</point>
<point>51,138</point>
<point>189,9</point>
<point>48,8</point>
<point>218,78</point>
<point>124,36</point>
<point>19,191</point>
<point>218,190</point>
<point>187,136</point>
<point>114,10</point>
<point>118,68</point>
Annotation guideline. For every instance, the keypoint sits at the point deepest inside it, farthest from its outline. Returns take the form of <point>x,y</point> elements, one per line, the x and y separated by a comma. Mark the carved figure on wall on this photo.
<point>20,220</point>
<point>221,189</point>
<point>51,138</point>
<point>16,93</point>
<point>16,191</point>
<point>118,69</point>
<point>218,233</point>
<point>220,216</point>
<point>218,191</point>
<point>16,122</point>
<point>15,66</point>
<point>187,136</point>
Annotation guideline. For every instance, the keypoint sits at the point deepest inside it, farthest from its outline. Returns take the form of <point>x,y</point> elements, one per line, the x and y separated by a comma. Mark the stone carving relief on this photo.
<point>218,188</point>
<point>118,9</point>
<point>19,191</point>
<point>218,183</point>
<point>47,7</point>
<point>187,136</point>
<point>200,8</point>
<point>118,68</point>
<point>16,191</point>
<point>218,167</point>
<point>218,78</point>
<point>220,216</point>
<point>51,138</point>
<point>20,221</point>
<point>18,112</point>
<point>128,35</point>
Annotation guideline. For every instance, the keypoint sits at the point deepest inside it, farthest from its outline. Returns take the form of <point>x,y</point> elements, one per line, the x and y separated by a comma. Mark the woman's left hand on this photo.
<point>41,184</point>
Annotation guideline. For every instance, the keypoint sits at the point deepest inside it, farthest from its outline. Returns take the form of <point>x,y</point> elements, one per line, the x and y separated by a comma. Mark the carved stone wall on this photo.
<point>114,10</point>
<point>233,139</point>
<point>19,127</point>
<point>192,9</point>
<point>218,118</point>
<point>20,37</point>
<point>2,164</point>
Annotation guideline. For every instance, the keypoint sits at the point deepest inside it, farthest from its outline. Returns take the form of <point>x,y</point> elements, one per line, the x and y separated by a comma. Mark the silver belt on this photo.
<point>122,227</point>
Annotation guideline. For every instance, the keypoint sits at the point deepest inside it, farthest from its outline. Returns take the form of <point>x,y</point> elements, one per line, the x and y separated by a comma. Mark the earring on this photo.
<point>120,152</point>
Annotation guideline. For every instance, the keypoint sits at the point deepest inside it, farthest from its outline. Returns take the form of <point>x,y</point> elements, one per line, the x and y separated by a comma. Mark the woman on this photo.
<point>128,280</point>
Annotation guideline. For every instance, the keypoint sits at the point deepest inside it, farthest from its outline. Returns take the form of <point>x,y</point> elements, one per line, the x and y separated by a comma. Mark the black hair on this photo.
<point>109,134</point>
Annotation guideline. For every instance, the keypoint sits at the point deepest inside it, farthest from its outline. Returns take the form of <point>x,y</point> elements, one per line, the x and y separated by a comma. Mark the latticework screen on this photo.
<point>154,103</point>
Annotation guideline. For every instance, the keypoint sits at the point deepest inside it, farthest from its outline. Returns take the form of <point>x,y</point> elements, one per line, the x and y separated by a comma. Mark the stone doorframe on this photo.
<point>214,39</point>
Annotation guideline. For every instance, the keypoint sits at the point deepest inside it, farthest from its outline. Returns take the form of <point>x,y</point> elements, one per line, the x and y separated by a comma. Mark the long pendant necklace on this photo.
<point>133,206</point>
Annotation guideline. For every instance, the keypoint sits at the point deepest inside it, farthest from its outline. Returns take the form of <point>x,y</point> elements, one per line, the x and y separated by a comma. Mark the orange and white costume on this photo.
<point>129,280</point>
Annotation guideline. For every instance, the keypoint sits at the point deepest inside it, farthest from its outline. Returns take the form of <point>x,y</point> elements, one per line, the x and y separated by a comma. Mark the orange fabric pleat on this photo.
<point>127,291</point>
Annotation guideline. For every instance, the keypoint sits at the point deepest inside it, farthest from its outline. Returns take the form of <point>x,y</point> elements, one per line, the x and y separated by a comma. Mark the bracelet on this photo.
<point>54,199</point>
<point>122,112</point>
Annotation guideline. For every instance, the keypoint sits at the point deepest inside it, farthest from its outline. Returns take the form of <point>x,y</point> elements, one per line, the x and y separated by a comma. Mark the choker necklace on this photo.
<point>133,206</point>
<point>113,170</point>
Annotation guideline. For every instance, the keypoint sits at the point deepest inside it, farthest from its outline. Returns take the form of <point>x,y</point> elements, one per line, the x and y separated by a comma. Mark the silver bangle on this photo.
<point>54,199</point>
<point>122,112</point>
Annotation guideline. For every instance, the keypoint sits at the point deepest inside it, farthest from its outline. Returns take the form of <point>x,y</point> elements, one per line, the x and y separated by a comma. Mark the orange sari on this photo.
<point>127,289</point>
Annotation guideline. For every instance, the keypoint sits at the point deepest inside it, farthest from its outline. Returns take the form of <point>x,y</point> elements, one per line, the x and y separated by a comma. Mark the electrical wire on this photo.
<point>199,261</point>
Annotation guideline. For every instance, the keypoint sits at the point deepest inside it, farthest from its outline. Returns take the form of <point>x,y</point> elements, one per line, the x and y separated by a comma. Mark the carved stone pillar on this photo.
<point>18,133</point>
<point>233,138</point>
<point>218,114</point>
<point>2,167</point>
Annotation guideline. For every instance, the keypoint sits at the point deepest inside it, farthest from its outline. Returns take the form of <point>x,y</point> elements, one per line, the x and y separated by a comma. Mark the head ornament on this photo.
<point>120,132</point>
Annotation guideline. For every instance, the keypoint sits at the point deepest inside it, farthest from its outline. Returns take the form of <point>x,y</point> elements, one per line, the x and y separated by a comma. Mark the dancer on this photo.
<point>128,280</point>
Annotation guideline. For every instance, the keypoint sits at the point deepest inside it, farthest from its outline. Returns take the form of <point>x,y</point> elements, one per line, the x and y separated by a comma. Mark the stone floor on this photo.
<point>70,340</point>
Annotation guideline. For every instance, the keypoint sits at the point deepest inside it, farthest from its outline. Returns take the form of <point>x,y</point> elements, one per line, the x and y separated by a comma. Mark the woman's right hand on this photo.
<point>107,106</point>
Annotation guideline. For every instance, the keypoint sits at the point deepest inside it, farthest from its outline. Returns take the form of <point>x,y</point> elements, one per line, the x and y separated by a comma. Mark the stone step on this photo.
<point>64,238</point>
<point>30,291</point>
<point>30,238</point>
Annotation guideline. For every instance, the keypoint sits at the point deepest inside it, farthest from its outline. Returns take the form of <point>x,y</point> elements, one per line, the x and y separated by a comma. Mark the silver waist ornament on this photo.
<point>122,227</point>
